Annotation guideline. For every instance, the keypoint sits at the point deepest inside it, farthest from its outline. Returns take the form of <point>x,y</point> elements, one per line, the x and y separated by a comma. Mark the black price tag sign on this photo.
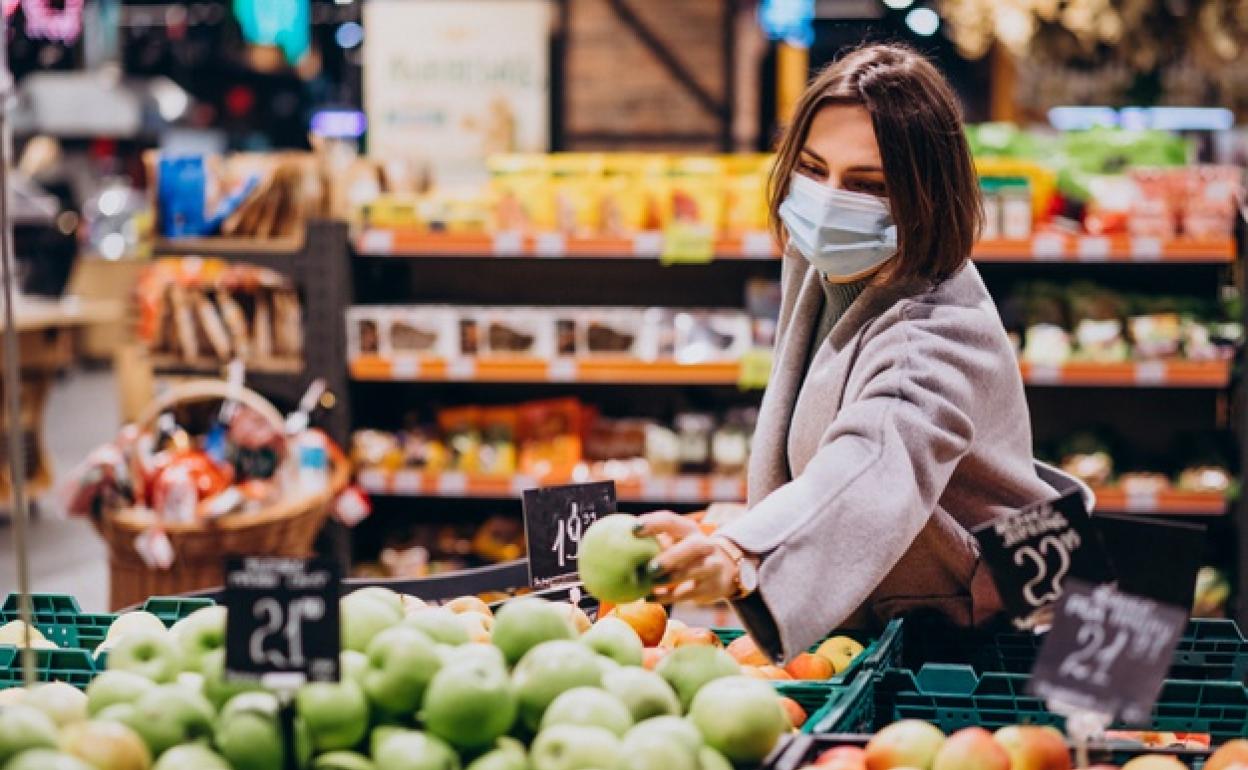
<point>1108,652</point>
<point>282,618</point>
<point>555,518</point>
<point>1032,552</point>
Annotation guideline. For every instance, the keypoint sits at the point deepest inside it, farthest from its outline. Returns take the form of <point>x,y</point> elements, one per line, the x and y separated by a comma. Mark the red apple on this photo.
<point>810,667</point>
<point>795,712</point>
<point>746,652</point>
<point>843,758</point>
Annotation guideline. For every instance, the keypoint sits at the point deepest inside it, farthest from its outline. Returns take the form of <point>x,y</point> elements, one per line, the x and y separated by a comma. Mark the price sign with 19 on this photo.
<point>282,618</point>
<point>1107,653</point>
<point>1033,551</point>
<point>555,519</point>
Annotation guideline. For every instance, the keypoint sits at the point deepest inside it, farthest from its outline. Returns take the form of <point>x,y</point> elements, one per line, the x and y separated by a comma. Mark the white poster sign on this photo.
<point>449,82</point>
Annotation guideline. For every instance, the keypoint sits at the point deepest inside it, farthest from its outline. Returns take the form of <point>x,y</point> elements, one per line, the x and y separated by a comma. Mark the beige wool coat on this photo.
<point>867,472</point>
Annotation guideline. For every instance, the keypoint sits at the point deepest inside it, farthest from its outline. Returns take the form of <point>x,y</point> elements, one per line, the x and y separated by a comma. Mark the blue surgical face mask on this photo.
<point>843,234</point>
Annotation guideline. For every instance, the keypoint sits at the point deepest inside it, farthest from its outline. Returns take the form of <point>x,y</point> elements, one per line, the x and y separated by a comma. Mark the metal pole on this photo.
<point>12,369</point>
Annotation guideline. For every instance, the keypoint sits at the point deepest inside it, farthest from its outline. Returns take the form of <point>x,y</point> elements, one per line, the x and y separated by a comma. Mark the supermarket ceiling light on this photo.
<point>923,22</point>
<point>899,5</point>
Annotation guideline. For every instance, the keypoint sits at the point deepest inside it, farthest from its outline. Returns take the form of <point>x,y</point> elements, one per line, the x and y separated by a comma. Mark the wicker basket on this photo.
<point>286,528</point>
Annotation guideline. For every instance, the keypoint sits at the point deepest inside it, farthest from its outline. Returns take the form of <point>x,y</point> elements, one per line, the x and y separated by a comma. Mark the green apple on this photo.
<point>165,716</point>
<point>588,706</point>
<point>616,640</point>
<point>507,754</point>
<point>106,745</point>
<point>469,704</point>
<point>383,595</point>
<point>217,688</point>
<point>522,624</point>
<point>710,759</point>
<point>352,664</point>
<point>64,703</point>
<point>549,669</point>
<point>645,693</point>
<point>336,714</point>
<point>191,680</point>
<point>487,653</point>
<point>151,654</point>
<point>414,750</point>
<point>655,750</point>
<point>401,661</point>
<point>249,735</point>
<point>192,756</point>
<point>198,634</point>
<point>614,562</point>
<point>134,622</point>
<point>24,727</point>
<point>46,759</point>
<point>688,669</point>
<point>606,665</point>
<point>440,624</point>
<point>343,760</point>
<point>111,687</point>
<point>363,616</point>
<point>671,728</point>
<point>739,717</point>
<point>575,747</point>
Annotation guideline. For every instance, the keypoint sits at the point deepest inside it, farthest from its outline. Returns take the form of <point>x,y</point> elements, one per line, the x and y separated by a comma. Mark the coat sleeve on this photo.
<point>828,537</point>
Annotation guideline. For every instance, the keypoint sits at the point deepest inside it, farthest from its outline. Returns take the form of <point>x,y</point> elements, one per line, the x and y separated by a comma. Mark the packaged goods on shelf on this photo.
<point>1091,458</point>
<point>201,311</point>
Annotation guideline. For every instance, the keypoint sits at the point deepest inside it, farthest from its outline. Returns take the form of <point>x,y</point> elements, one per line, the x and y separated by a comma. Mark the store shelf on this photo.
<point>674,489</point>
<point>226,247</point>
<point>1044,247</point>
<point>523,370</point>
<point>1170,502</point>
<point>1139,374</point>
<point>1144,374</point>
<point>178,365</point>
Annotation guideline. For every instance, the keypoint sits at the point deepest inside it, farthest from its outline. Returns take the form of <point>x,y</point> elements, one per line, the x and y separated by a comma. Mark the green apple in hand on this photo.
<point>645,693</point>
<point>414,750</point>
<point>688,669</point>
<point>363,617</point>
<point>548,670</point>
<point>616,640</point>
<point>588,706</point>
<point>739,717</point>
<point>614,562</point>
<point>439,624</point>
<point>575,747</point>
<point>164,717</point>
<point>112,687</point>
<point>24,727</point>
<point>249,735</point>
<point>336,714</point>
<point>522,624</point>
<point>192,756</point>
<point>198,634</point>
<point>47,759</point>
<point>106,745</point>
<point>64,703</point>
<point>469,704</point>
<point>149,653</point>
<point>401,661</point>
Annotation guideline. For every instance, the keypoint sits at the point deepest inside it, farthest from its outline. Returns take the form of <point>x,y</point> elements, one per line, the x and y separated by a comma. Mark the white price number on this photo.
<point>269,610</point>
<point>1094,658</point>
<point>568,532</point>
<point>1046,585</point>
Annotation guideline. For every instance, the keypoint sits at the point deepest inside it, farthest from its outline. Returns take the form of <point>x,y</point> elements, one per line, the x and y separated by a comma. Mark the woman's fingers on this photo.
<point>667,523</point>
<point>673,563</point>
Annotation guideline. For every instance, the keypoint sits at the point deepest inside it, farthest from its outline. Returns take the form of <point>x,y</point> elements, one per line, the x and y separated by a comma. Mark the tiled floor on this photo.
<point>66,555</point>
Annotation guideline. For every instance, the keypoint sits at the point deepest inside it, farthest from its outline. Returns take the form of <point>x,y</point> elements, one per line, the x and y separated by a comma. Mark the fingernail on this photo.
<point>639,530</point>
<point>656,572</point>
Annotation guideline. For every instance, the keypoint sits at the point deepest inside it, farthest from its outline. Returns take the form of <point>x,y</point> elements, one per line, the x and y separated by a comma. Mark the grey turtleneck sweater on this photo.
<point>837,297</point>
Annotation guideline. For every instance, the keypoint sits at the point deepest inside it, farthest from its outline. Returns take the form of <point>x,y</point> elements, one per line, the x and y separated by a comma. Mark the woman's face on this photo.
<point>841,151</point>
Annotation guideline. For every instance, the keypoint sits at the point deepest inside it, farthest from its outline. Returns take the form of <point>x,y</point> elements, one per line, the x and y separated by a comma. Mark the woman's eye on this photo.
<point>868,186</point>
<point>811,170</point>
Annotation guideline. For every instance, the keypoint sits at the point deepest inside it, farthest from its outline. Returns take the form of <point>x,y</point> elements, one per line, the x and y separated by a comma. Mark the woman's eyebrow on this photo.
<point>814,155</point>
<point>865,168</point>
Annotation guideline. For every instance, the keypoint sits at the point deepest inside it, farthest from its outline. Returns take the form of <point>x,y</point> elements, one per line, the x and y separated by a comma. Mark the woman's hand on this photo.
<point>693,566</point>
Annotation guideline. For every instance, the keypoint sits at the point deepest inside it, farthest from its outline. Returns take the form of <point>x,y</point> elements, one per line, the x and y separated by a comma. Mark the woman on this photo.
<point>895,420</point>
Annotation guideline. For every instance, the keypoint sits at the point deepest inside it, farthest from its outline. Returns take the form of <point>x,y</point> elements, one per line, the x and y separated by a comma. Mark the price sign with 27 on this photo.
<point>555,518</point>
<point>282,618</point>
<point>1107,653</point>
<point>1032,552</point>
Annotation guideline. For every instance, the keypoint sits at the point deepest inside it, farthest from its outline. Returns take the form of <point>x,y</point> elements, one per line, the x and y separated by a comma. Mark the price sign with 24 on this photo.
<point>555,519</point>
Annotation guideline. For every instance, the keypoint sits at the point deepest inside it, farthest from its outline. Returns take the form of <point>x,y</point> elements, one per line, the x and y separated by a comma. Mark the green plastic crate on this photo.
<point>955,696</point>
<point>171,609</point>
<point>69,666</point>
<point>59,618</point>
<point>882,651</point>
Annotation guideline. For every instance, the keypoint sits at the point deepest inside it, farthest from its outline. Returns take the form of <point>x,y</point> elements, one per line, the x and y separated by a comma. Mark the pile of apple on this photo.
<point>535,687</point>
<point>13,634</point>
<point>912,744</point>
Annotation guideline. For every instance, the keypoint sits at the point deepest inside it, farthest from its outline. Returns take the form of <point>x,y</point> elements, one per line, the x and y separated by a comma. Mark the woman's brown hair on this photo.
<point>928,174</point>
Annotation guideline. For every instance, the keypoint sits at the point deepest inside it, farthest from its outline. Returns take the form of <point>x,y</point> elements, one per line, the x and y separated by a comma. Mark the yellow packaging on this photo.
<point>575,188</point>
<point>745,192</point>
<point>392,212</point>
<point>451,213</point>
<point>632,191</point>
<point>520,192</point>
<point>697,192</point>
